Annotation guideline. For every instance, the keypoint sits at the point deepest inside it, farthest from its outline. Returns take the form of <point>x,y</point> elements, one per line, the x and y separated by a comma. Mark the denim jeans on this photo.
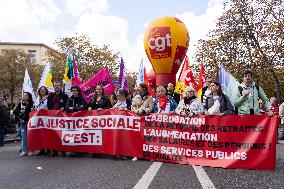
<point>2,135</point>
<point>24,143</point>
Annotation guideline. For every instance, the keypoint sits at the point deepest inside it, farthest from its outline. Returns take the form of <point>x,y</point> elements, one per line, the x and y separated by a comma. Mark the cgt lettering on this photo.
<point>160,43</point>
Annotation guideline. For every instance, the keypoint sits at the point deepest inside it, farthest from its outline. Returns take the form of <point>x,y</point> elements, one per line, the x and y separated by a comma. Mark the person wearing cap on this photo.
<point>217,103</point>
<point>247,96</point>
<point>189,105</point>
<point>164,103</point>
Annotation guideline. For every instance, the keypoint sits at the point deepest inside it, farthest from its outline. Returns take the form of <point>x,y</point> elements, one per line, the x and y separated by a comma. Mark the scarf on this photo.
<point>187,100</point>
<point>163,102</point>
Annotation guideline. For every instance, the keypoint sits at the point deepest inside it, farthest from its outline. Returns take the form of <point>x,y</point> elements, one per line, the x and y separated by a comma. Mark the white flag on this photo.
<point>228,83</point>
<point>27,85</point>
<point>140,77</point>
<point>46,78</point>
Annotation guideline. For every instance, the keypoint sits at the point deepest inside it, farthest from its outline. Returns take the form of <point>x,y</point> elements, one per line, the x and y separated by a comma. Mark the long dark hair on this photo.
<point>145,91</point>
<point>219,91</point>
<point>78,89</point>
<point>30,102</point>
<point>45,88</point>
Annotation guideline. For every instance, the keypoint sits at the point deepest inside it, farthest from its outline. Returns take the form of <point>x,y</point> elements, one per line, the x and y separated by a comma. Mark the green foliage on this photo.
<point>91,59</point>
<point>13,64</point>
<point>248,35</point>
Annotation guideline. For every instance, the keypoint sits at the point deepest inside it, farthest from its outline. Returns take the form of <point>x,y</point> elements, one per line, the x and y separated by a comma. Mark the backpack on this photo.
<point>241,90</point>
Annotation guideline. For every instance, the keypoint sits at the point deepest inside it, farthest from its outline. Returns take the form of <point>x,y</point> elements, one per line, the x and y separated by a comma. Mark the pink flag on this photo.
<point>102,78</point>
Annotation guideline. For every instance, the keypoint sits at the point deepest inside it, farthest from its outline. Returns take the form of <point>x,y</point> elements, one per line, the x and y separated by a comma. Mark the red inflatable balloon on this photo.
<point>152,79</point>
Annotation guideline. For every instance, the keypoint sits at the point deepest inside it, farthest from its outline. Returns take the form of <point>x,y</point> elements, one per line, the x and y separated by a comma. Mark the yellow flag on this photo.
<point>180,87</point>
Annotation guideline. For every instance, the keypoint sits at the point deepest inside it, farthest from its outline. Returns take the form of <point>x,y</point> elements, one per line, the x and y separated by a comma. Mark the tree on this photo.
<point>91,59</point>
<point>13,65</point>
<point>248,35</point>
<point>131,78</point>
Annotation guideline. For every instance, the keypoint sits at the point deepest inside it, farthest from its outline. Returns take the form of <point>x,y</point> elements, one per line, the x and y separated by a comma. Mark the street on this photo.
<point>107,172</point>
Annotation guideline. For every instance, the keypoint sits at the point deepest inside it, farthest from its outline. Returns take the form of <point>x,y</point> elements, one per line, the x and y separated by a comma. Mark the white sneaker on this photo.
<point>134,159</point>
<point>23,154</point>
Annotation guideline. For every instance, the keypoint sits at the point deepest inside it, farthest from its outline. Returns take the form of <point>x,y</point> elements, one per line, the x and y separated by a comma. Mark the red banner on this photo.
<point>246,142</point>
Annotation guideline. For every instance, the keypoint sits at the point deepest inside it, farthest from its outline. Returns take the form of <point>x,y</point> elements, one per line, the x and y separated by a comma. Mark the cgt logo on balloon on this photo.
<point>82,137</point>
<point>160,42</point>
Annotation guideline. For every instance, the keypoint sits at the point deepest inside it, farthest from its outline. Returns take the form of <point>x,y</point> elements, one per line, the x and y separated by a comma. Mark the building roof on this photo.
<point>25,44</point>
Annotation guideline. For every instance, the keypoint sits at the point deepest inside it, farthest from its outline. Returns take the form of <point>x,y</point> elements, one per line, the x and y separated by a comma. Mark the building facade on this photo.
<point>37,51</point>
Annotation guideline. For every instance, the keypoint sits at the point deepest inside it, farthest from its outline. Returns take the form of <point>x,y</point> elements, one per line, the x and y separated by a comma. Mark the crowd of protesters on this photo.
<point>250,99</point>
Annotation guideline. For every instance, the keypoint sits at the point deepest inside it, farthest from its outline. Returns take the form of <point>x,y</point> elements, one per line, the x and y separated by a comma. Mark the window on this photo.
<point>33,56</point>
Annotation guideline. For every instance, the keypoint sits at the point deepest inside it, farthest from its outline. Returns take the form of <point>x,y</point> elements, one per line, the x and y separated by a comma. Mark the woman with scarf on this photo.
<point>142,103</point>
<point>163,102</point>
<point>217,103</point>
<point>41,104</point>
<point>189,105</point>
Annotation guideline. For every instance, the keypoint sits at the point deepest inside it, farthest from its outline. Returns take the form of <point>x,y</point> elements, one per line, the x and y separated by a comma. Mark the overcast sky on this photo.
<point>119,23</point>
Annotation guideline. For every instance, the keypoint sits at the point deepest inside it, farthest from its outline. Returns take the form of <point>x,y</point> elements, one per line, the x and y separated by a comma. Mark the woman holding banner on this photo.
<point>189,105</point>
<point>99,100</point>
<point>164,103</point>
<point>122,101</point>
<point>217,103</point>
<point>142,103</point>
<point>41,104</point>
<point>76,102</point>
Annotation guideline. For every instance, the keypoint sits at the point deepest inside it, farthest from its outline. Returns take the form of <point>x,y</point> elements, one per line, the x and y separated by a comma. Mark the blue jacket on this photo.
<point>171,105</point>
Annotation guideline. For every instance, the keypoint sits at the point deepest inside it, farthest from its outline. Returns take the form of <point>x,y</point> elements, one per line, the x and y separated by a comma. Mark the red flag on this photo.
<point>186,75</point>
<point>146,81</point>
<point>201,81</point>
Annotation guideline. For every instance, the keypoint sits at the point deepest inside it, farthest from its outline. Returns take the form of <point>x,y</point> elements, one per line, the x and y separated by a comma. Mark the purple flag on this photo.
<point>123,84</point>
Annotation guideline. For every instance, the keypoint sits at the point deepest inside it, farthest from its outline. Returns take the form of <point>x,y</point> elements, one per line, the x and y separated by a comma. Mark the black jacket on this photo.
<point>27,107</point>
<point>63,100</point>
<point>104,103</point>
<point>226,106</point>
<point>75,104</point>
<point>4,116</point>
<point>176,97</point>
